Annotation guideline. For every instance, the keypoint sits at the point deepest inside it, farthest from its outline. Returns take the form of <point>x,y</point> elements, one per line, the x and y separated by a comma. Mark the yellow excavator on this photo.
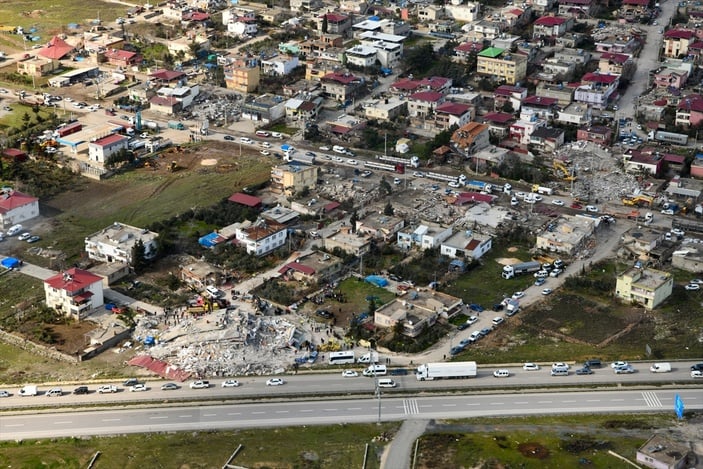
<point>638,201</point>
<point>565,173</point>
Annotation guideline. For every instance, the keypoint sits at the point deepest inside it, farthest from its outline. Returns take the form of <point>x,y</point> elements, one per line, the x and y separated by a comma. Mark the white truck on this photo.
<point>542,190</point>
<point>371,357</point>
<point>430,371</point>
<point>660,368</point>
<point>510,271</point>
<point>29,390</point>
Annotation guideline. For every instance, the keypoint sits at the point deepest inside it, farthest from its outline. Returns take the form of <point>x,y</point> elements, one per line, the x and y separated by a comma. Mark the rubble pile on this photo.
<point>226,342</point>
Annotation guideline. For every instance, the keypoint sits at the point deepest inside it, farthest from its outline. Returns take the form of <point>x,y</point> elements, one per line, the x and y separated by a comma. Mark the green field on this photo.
<point>341,446</point>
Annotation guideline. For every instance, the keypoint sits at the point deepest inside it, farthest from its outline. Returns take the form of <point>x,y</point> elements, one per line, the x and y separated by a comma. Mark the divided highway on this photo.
<point>357,410</point>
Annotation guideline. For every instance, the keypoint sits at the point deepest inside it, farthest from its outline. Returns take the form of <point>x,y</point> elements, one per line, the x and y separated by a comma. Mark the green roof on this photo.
<point>492,52</point>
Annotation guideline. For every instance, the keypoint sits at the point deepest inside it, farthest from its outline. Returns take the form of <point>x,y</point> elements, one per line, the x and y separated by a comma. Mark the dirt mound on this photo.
<point>209,162</point>
<point>533,450</point>
<point>507,260</point>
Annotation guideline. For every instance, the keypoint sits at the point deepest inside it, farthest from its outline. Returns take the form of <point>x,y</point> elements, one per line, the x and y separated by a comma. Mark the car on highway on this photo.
<point>130,382</point>
<point>229,138</point>
<point>24,236</point>
<point>618,363</point>
<point>627,369</point>
<point>200,384</point>
<point>230,383</point>
<point>498,320</point>
<point>547,291</point>
<point>323,148</point>
<point>697,367</point>
<point>33,239</point>
<point>559,365</point>
<point>138,388</point>
<point>349,374</point>
<point>584,371</point>
<point>692,287</point>
<point>275,382</point>
<point>502,373</point>
<point>107,389</point>
<point>81,390</point>
<point>472,320</point>
<point>557,202</point>
<point>518,294</point>
<point>4,393</point>
<point>529,366</point>
<point>169,387</point>
<point>696,374</point>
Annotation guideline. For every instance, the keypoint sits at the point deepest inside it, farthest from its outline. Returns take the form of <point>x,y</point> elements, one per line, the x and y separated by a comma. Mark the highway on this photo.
<point>333,384</point>
<point>357,410</point>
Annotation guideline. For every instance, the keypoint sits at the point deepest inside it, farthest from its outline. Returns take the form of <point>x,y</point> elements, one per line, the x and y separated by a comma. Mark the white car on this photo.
<point>498,320</point>
<point>266,144</point>
<point>24,236</point>
<point>323,148</point>
<point>454,184</point>
<point>246,140</point>
<point>668,212</point>
<point>591,208</point>
<point>697,281</point>
<point>547,291</point>
<point>520,195</point>
<point>501,373</point>
<point>274,382</point>
<point>230,383</point>
<point>397,181</point>
<point>350,374</point>
<point>518,294</point>
<point>352,162</point>
<point>265,152</point>
<point>559,366</point>
<point>514,202</point>
<point>107,389</point>
<point>529,366</point>
<point>557,202</point>
<point>419,174</point>
<point>692,287</point>
<point>472,320</point>
<point>618,364</point>
<point>138,388</point>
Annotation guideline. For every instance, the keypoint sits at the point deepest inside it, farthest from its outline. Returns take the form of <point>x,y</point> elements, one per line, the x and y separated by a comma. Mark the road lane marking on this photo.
<point>617,400</point>
<point>568,402</point>
<point>330,410</point>
<point>306,410</point>
<point>497,403</point>
<point>185,416</point>
<point>158,417</point>
<point>14,425</point>
<point>544,402</point>
<point>258,412</point>
<point>521,402</point>
<point>448,405</point>
<point>282,411</point>
<point>353,408</point>
<point>592,400</point>
<point>62,422</point>
<point>651,399</point>
<point>473,403</point>
<point>234,413</point>
<point>410,407</point>
<point>111,420</point>
<point>209,415</point>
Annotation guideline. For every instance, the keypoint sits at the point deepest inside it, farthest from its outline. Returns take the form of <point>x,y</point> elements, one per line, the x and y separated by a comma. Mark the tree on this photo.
<point>419,59</point>
<point>385,186</point>
<point>325,25</point>
<point>352,220</point>
<point>388,209</point>
<point>138,259</point>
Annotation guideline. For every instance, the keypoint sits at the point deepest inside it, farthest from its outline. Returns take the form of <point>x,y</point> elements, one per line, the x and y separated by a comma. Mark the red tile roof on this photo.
<point>428,96</point>
<point>692,102</point>
<point>469,47</point>
<point>550,21</point>
<point>167,75</point>
<point>304,269</point>
<point>15,200</point>
<point>72,280</point>
<point>599,78</point>
<point>109,140</point>
<point>613,57</point>
<point>540,101</point>
<point>335,17</point>
<point>499,117</point>
<point>245,199</point>
<point>679,34</point>
<point>507,90</point>
<point>343,78</point>
<point>696,45</point>
<point>56,48</point>
<point>455,109</point>
<point>120,54</point>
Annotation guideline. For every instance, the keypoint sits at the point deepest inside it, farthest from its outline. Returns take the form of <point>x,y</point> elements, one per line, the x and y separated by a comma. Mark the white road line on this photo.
<point>62,422</point>
<point>306,410</point>
<point>617,400</point>
<point>282,411</point>
<point>544,402</point>
<point>234,413</point>
<point>353,408</point>
<point>258,412</point>
<point>521,402</point>
<point>448,405</point>
<point>473,403</point>
<point>159,417</point>
<point>14,425</point>
<point>592,400</point>
<point>210,415</point>
<point>568,402</point>
<point>185,416</point>
<point>330,410</point>
<point>497,403</point>
<point>111,420</point>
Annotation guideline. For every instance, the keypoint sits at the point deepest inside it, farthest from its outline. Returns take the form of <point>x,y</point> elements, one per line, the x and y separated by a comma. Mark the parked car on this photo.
<point>485,331</point>
<point>498,320</point>
<point>624,369</point>
<point>591,208</point>
<point>692,287</point>
<point>229,138</point>
<point>584,371</point>
<point>540,281</point>
<point>33,239</point>
<point>230,383</point>
<point>547,291</point>
<point>475,336</point>
<point>275,382</point>
<point>463,326</point>
<point>472,320</point>
<point>518,294</point>
<point>456,350</point>
<point>323,313</point>
<point>558,365</point>
<point>24,236</point>
<point>557,202</point>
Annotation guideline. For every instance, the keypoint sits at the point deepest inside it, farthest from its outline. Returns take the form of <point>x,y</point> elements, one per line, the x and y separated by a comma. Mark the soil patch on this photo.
<point>508,260</point>
<point>533,450</point>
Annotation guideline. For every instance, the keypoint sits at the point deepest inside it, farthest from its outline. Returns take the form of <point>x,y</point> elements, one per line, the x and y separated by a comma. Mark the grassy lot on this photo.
<point>357,292</point>
<point>14,119</point>
<point>309,447</point>
<point>535,442</point>
<point>284,129</point>
<point>50,17</point>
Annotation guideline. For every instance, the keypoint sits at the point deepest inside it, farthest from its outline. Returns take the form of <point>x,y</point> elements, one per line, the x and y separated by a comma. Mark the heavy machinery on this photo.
<point>638,201</point>
<point>565,173</point>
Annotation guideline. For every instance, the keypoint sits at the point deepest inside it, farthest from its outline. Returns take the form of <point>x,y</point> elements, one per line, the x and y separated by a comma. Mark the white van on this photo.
<point>213,291</point>
<point>54,392</point>
<point>660,368</point>
<point>386,383</point>
<point>14,230</point>
<point>375,370</point>
<point>339,149</point>
<point>560,372</point>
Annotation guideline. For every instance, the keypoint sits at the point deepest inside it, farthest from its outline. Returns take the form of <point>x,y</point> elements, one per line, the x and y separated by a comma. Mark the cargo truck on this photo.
<point>542,190</point>
<point>29,390</point>
<point>480,186</point>
<point>413,161</point>
<point>510,271</point>
<point>176,125</point>
<point>430,371</point>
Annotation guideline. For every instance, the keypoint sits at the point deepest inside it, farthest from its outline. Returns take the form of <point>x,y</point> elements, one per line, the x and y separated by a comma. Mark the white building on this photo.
<point>116,243</point>
<point>74,292</point>
<point>426,235</point>
<point>361,56</point>
<point>182,94</point>
<point>103,148</point>
<point>466,245</point>
<point>279,65</point>
<point>387,53</point>
<point>243,27</point>
<point>467,13</point>
<point>262,237</point>
<point>16,207</point>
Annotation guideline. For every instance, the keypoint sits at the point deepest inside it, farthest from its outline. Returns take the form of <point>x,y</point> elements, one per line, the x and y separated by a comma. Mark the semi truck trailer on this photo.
<point>430,371</point>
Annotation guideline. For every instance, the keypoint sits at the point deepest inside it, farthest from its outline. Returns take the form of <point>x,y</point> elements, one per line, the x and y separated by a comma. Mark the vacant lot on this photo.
<point>340,446</point>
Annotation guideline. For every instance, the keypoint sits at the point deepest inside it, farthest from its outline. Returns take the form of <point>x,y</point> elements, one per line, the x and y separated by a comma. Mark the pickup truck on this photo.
<point>107,388</point>
<point>200,384</point>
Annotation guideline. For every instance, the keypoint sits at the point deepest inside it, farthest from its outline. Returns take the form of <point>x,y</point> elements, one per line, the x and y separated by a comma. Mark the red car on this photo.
<point>577,206</point>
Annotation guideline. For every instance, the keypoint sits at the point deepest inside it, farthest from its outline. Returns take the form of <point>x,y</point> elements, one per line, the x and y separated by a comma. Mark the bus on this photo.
<point>342,358</point>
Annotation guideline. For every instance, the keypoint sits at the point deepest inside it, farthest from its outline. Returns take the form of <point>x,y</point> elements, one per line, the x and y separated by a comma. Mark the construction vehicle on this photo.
<point>638,201</point>
<point>565,173</point>
<point>542,190</point>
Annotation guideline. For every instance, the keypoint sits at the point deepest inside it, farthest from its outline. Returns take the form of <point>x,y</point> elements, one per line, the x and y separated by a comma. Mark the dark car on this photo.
<point>485,331</point>
<point>463,326</point>
<point>169,387</point>
<point>697,367</point>
<point>323,313</point>
<point>593,363</point>
<point>311,154</point>
<point>584,371</point>
<point>498,307</point>
<point>456,350</point>
<point>398,372</point>
<point>229,138</point>
<point>81,390</point>
<point>33,239</point>
<point>131,382</point>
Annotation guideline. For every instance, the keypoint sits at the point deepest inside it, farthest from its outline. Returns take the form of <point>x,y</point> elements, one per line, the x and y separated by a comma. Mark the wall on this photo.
<point>35,348</point>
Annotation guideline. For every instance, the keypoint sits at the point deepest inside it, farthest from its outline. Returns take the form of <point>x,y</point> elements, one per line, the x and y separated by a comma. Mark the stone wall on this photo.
<point>35,348</point>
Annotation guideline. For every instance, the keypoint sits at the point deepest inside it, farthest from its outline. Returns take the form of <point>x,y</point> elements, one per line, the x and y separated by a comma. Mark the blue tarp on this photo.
<point>208,240</point>
<point>10,263</point>
<point>376,280</point>
<point>285,147</point>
